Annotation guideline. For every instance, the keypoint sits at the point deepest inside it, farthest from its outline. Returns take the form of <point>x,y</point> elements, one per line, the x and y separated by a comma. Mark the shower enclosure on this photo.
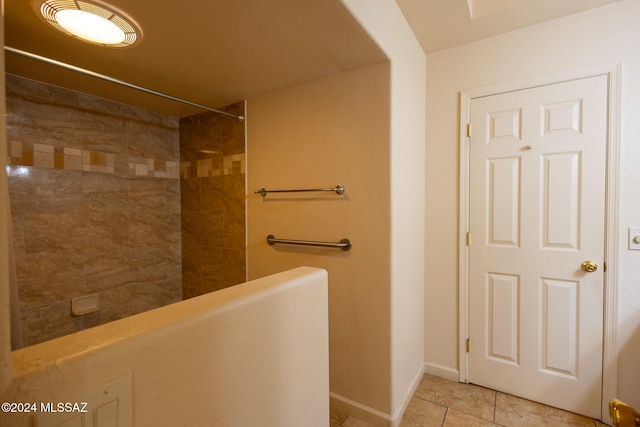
<point>117,210</point>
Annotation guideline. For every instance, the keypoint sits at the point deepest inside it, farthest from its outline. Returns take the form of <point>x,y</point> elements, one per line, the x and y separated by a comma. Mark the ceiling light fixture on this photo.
<point>92,22</point>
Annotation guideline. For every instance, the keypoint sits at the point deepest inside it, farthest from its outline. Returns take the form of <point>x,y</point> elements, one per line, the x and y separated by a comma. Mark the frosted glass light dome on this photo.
<point>90,22</point>
<point>90,27</point>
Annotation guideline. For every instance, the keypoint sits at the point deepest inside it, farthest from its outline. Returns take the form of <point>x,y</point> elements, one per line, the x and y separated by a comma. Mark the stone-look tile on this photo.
<point>91,103</point>
<point>105,231</point>
<point>80,232</point>
<point>421,413</point>
<point>192,284</point>
<point>88,320</point>
<point>145,138</point>
<point>235,268</point>
<point>234,228</point>
<point>59,125</point>
<point>190,194</point>
<point>17,224</point>
<point>200,137</point>
<point>356,422</point>
<point>174,239</point>
<point>188,127</point>
<point>117,303</point>
<point>234,208</point>
<point>515,411</point>
<point>222,268</point>
<point>191,256</point>
<point>458,419</point>
<point>172,190</point>
<point>134,298</point>
<point>48,322</point>
<point>521,413</point>
<point>44,191</point>
<point>120,167</point>
<point>20,86</point>
<point>467,398</point>
<point>45,278</point>
<point>212,209</point>
<point>141,188</point>
<point>233,130</point>
<point>13,120</point>
<point>149,229</point>
<point>213,268</point>
<point>99,133</point>
<point>213,196</point>
<point>213,206</point>
<point>203,228</point>
<point>115,203</point>
<point>100,228</point>
<point>49,232</point>
<point>99,183</point>
<point>233,136</point>
<point>106,270</point>
<point>45,122</point>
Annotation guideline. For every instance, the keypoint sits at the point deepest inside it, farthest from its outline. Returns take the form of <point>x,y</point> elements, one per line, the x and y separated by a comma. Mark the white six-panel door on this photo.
<point>537,179</point>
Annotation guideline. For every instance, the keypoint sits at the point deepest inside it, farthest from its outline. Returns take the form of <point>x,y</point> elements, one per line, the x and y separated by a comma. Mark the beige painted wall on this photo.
<point>365,130</point>
<point>608,34</point>
<point>237,357</point>
<point>387,26</point>
<point>329,132</point>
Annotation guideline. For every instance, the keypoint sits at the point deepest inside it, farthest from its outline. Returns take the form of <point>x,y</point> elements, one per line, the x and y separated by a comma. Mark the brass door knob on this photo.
<point>589,266</point>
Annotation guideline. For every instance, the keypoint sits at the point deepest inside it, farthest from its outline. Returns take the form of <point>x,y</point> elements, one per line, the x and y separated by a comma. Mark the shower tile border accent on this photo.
<point>233,164</point>
<point>55,157</point>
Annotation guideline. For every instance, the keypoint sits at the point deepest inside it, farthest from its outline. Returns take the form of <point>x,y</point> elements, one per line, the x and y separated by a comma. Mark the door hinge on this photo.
<point>468,345</point>
<point>604,266</point>
<point>469,130</point>
<point>468,238</point>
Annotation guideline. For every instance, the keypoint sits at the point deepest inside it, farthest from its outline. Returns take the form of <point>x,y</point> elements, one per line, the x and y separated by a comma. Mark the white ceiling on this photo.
<point>212,52</point>
<point>440,24</point>
<point>217,52</point>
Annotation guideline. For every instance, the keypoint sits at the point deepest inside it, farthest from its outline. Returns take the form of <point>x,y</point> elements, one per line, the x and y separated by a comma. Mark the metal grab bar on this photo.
<point>339,189</point>
<point>344,244</point>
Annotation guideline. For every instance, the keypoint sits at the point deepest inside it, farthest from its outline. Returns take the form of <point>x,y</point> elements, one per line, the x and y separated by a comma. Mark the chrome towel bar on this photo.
<point>344,244</point>
<point>338,189</point>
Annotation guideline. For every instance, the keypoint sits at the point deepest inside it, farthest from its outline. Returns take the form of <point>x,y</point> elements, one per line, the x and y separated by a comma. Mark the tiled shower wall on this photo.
<point>212,171</point>
<point>95,201</point>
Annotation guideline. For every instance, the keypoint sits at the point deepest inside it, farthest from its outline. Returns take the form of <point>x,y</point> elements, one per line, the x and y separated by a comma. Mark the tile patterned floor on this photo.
<point>443,403</point>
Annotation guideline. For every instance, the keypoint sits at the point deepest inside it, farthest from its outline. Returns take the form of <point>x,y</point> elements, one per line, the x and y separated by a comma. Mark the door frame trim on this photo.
<point>609,342</point>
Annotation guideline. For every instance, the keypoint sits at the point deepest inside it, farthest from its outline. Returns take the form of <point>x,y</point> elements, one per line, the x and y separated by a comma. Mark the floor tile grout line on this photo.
<point>444,420</point>
<point>495,405</point>
<point>474,416</point>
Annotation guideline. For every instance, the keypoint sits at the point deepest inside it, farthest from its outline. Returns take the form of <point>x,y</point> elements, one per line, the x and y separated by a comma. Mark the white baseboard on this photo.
<point>441,371</point>
<point>411,390</point>
<point>373,416</point>
<point>358,410</point>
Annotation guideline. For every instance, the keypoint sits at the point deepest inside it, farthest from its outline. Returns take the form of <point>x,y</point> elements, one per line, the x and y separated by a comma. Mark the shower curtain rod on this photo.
<point>114,80</point>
